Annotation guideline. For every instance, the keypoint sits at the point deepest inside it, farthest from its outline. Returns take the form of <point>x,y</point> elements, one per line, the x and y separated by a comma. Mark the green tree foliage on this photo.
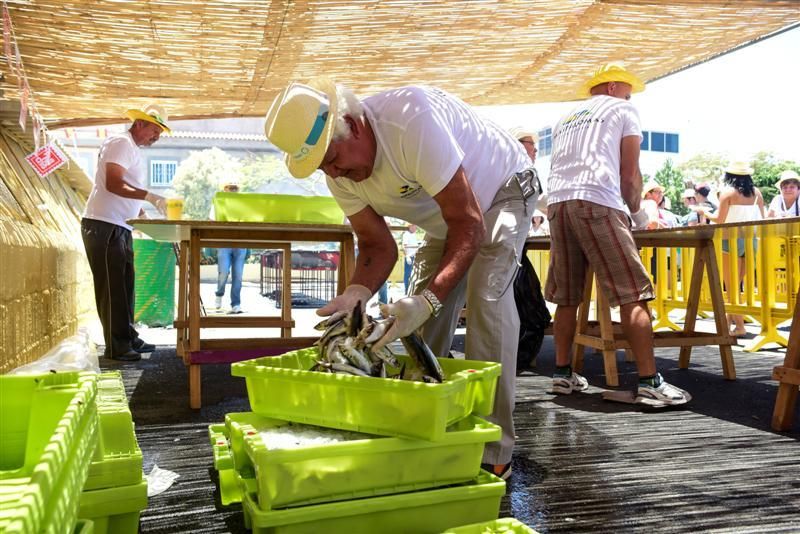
<point>674,183</point>
<point>265,169</point>
<point>201,175</point>
<point>704,167</point>
<point>260,170</point>
<point>766,171</point>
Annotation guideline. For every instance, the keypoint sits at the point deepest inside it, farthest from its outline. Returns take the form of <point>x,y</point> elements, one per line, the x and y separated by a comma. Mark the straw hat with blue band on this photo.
<point>300,122</point>
<point>611,72</point>
<point>151,113</point>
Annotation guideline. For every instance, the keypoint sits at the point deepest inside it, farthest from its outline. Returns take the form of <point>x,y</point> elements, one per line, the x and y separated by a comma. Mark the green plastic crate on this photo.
<point>258,207</point>
<point>114,510</point>
<point>84,526</point>
<point>229,491</point>
<point>428,511</point>
<point>359,468</point>
<point>117,459</point>
<point>282,387</point>
<point>507,525</point>
<point>48,432</point>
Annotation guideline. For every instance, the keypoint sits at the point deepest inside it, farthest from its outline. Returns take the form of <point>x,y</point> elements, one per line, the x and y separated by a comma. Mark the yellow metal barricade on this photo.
<point>769,272</point>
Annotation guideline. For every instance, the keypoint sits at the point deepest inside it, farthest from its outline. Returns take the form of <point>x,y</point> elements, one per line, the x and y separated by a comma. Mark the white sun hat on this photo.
<point>787,176</point>
<point>300,123</point>
<point>520,131</point>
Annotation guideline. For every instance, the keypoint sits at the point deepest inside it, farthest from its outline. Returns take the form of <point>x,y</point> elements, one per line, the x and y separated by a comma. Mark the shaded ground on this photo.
<point>581,464</point>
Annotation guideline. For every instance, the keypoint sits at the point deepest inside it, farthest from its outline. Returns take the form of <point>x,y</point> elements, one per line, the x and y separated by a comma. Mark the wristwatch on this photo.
<point>433,300</point>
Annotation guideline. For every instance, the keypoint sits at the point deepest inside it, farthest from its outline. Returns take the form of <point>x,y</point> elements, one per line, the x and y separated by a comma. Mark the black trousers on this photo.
<point>109,248</point>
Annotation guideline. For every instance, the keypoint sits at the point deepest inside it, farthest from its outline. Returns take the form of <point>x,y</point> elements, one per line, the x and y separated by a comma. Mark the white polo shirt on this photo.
<point>423,134</point>
<point>586,152</point>
<point>104,205</point>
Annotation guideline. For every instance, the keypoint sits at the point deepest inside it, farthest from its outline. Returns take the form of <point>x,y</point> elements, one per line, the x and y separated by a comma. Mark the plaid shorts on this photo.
<point>582,233</point>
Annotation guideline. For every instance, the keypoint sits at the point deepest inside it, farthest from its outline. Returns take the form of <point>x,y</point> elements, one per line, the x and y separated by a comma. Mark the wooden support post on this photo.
<point>786,399</point>
<point>715,287</point>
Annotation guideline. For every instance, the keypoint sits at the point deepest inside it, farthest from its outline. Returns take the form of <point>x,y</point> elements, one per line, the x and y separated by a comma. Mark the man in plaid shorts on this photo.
<point>595,189</point>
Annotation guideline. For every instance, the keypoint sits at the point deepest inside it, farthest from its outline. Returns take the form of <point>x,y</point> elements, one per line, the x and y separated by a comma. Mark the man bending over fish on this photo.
<point>422,155</point>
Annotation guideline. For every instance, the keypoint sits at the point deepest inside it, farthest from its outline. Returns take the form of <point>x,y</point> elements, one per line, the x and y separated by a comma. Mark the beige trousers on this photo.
<point>493,322</point>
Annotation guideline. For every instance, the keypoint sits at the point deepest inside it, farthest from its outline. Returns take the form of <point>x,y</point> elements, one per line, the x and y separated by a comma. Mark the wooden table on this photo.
<point>608,338</point>
<point>194,235</point>
<point>788,377</point>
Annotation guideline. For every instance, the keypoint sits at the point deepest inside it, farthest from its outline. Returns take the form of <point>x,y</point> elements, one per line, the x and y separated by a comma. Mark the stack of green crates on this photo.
<point>115,492</point>
<point>417,471</point>
<point>48,431</point>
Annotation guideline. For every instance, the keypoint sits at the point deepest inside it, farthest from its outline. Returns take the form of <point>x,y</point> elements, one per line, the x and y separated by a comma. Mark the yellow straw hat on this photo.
<point>787,176</point>
<point>611,72</point>
<point>300,122</point>
<point>151,113</point>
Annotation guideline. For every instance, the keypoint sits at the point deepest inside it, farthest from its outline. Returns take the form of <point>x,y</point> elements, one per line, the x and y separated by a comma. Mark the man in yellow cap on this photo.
<point>422,155</point>
<point>595,190</point>
<point>117,195</point>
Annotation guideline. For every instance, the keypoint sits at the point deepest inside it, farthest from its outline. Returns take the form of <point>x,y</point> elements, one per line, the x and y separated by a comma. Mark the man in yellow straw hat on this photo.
<point>117,195</point>
<point>423,156</point>
<point>595,190</point>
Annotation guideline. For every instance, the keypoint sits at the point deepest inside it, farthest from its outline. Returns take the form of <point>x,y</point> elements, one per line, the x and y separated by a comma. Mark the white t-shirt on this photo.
<point>780,208</point>
<point>423,134</point>
<point>104,205</point>
<point>586,152</point>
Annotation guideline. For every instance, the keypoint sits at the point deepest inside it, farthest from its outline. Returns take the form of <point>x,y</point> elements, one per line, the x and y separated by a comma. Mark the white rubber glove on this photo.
<point>409,312</point>
<point>640,220</point>
<point>347,300</point>
<point>158,201</point>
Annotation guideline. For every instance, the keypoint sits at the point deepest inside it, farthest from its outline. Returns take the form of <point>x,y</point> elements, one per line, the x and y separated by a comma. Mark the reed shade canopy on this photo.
<point>89,60</point>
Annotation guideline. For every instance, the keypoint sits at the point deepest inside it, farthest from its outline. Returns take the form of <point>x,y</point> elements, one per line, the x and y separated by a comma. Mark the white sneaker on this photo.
<point>236,309</point>
<point>567,384</point>
<point>218,303</point>
<point>664,395</point>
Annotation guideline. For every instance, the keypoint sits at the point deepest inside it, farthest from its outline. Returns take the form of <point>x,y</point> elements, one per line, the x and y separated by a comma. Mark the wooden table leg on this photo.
<point>286,289</point>
<point>583,321</point>
<point>693,302</point>
<point>715,287</point>
<point>789,377</point>
<point>195,396</point>
<point>194,293</point>
<point>183,282</point>
<point>607,335</point>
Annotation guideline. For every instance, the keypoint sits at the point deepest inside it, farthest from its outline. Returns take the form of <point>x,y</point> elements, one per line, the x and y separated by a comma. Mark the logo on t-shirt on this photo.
<point>408,191</point>
<point>577,119</point>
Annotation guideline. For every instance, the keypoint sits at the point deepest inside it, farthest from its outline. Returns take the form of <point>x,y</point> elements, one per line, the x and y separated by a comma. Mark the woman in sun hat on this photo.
<point>652,198</point>
<point>739,202</point>
<point>787,202</point>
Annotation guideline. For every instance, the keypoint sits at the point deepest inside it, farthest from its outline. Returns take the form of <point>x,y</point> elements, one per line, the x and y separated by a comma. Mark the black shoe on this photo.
<point>130,356</point>
<point>140,346</point>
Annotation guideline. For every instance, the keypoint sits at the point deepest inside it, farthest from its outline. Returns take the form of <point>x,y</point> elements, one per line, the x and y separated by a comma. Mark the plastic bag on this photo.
<point>159,480</point>
<point>534,316</point>
<point>76,353</point>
